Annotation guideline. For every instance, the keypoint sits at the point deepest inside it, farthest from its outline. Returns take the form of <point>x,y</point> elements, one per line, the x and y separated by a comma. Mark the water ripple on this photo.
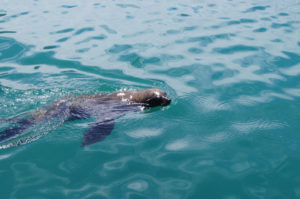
<point>236,49</point>
<point>11,49</point>
<point>232,72</point>
<point>247,127</point>
<point>263,97</point>
<point>256,8</point>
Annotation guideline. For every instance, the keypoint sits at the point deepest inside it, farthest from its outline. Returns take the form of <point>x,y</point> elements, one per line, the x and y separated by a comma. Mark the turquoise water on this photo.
<point>232,69</point>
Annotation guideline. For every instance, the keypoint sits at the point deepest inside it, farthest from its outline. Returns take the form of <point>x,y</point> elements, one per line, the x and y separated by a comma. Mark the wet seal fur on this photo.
<point>104,107</point>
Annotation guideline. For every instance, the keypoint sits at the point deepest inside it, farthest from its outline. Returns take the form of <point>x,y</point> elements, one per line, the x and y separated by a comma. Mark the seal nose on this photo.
<point>167,101</point>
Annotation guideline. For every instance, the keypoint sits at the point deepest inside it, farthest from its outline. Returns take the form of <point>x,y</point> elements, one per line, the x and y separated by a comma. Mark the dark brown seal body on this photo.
<point>104,107</point>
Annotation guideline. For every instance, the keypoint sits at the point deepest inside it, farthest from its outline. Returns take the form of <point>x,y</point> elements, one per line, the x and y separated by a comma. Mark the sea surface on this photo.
<point>231,68</point>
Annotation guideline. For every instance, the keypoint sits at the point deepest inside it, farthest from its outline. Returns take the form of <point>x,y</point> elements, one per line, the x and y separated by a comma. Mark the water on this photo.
<point>231,68</point>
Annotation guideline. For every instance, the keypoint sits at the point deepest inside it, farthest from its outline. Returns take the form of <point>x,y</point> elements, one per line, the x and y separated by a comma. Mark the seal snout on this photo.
<point>166,101</point>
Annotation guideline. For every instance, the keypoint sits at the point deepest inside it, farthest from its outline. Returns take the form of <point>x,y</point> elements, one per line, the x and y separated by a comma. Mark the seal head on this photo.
<point>150,97</point>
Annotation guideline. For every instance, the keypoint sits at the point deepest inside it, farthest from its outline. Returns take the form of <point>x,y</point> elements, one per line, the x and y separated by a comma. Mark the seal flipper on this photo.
<point>97,131</point>
<point>12,132</point>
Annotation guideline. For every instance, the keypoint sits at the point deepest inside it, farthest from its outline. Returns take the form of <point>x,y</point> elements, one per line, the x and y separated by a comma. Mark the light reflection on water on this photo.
<point>230,68</point>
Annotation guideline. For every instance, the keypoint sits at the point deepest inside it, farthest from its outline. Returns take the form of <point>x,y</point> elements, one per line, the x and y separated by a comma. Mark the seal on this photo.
<point>104,107</point>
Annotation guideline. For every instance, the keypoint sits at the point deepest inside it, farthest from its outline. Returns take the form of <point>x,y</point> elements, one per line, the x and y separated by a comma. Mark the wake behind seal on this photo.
<point>104,107</point>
